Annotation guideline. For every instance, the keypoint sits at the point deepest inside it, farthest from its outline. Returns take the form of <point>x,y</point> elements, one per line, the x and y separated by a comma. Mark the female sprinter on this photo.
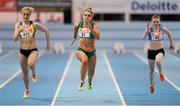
<point>155,50</point>
<point>88,31</point>
<point>25,31</point>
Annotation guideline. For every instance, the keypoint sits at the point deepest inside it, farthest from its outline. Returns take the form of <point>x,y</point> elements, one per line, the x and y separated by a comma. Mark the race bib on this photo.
<point>84,33</point>
<point>156,36</point>
<point>26,34</point>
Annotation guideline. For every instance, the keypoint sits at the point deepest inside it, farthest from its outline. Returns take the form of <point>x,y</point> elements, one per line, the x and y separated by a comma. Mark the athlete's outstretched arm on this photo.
<point>171,47</point>
<point>146,31</point>
<point>95,30</point>
<point>76,26</point>
<point>16,32</point>
<point>45,30</point>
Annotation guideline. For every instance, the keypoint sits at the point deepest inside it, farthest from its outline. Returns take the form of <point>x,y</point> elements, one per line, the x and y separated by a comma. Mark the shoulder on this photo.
<point>40,26</point>
<point>77,23</point>
<point>164,28</point>
<point>93,22</point>
<point>37,24</point>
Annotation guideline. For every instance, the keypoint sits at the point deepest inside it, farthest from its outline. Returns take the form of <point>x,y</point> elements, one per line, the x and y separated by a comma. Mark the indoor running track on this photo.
<point>119,80</point>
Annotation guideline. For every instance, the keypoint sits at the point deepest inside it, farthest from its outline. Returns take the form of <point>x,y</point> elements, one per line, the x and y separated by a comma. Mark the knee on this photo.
<point>25,74</point>
<point>85,62</point>
<point>31,64</point>
<point>158,62</point>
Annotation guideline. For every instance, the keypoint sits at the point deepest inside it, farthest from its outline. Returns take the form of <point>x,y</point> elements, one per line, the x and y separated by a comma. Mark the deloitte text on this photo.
<point>154,6</point>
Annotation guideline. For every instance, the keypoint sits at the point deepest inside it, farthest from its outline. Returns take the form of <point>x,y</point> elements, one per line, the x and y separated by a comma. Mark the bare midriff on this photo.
<point>87,44</point>
<point>155,45</point>
<point>28,43</point>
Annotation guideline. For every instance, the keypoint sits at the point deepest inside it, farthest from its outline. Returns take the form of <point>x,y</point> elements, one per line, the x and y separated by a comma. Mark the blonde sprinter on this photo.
<point>155,50</point>
<point>89,33</point>
<point>25,32</point>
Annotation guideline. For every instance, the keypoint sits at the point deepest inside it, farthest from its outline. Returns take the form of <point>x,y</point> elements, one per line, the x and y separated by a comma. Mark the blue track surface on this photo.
<point>130,72</point>
<point>132,75</point>
<point>49,70</point>
<point>103,92</point>
<point>9,65</point>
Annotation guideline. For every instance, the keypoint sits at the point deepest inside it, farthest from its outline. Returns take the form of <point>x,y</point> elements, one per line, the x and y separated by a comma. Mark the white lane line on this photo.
<point>62,79</point>
<point>6,55</point>
<point>169,81</point>
<point>10,79</point>
<point>114,79</point>
<point>16,74</point>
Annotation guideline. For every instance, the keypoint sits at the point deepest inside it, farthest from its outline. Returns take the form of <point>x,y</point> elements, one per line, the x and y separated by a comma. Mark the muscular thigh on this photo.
<point>33,57</point>
<point>81,56</point>
<point>159,57</point>
<point>23,60</point>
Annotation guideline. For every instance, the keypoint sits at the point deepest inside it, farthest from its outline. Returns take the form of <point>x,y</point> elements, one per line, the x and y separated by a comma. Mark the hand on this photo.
<point>20,29</point>
<point>76,25</point>
<point>171,47</point>
<point>148,26</point>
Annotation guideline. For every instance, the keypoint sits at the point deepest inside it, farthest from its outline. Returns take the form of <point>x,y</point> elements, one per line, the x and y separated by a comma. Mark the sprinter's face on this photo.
<point>155,21</point>
<point>26,15</point>
<point>87,16</point>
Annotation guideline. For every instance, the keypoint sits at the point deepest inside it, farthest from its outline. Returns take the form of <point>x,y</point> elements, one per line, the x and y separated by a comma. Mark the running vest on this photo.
<point>85,32</point>
<point>27,32</point>
<point>153,37</point>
